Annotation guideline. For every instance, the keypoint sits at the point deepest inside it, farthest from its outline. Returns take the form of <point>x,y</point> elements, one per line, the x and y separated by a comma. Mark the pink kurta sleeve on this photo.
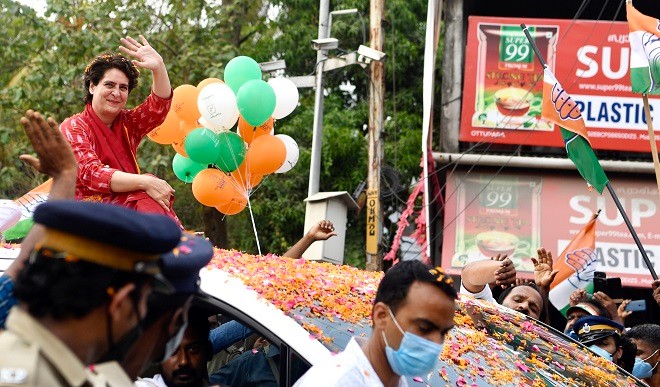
<point>92,173</point>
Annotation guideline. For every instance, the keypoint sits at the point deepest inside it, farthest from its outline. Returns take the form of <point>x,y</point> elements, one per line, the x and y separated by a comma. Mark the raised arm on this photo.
<point>476,275</point>
<point>148,58</point>
<point>54,158</point>
<point>320,232</point>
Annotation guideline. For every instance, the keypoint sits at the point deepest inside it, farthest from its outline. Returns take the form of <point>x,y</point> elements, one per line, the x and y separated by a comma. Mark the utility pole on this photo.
<point>317,128</point>
<point>376,101</point>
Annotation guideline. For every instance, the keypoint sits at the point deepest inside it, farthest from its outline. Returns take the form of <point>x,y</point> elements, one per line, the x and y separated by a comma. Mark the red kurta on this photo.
<point>101,151</point>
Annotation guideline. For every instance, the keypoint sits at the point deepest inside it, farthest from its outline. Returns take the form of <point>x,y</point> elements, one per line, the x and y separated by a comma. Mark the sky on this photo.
<point>38,5</point>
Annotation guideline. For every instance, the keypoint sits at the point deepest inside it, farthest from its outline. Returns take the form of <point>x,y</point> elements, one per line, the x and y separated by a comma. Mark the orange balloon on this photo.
<point>265,155</point>
<point>178,147</point>
<point>249,132</point>
<point>246,180</point>
<point>184,103</point>
<point>168,131</point>
<point>233,207</point>
<point>187,127</point>
<point>207,81</point>
<point>212,187</point>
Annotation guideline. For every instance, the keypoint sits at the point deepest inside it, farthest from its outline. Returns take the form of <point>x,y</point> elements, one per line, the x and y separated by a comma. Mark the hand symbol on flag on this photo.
<point>583,261</point>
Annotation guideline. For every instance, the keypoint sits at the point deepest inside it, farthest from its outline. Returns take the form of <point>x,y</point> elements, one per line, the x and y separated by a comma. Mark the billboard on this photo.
<point>503,83</point>
<point>515,213</point>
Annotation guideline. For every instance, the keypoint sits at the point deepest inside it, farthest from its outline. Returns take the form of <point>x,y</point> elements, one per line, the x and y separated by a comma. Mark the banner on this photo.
<point>502,86</point>
<point>515,213</point>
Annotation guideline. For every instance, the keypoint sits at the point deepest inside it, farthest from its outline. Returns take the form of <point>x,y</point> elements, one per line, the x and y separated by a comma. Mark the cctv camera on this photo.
<point>370,53</point>
<point>325,44</point>
<point>272,66</point>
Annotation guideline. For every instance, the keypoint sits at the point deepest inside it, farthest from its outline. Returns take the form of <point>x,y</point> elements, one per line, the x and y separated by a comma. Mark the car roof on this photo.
<point>491,344</point>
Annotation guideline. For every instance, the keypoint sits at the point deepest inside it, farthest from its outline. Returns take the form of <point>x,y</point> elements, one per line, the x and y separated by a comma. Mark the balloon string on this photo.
<point>254,226</point>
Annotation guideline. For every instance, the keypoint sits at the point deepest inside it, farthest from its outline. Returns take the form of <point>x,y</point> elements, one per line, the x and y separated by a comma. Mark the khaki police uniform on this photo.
<point>32,356</point>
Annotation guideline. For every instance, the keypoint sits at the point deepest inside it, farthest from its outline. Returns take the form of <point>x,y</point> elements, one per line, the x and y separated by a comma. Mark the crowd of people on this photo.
<point>110,230</point>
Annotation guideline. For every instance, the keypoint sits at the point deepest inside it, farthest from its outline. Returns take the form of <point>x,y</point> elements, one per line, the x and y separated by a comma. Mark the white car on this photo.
<point>308,310</point>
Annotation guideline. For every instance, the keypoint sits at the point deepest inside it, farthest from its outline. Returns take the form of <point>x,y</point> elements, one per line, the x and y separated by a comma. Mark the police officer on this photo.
<point>83,293</point>
<point>602,335</point>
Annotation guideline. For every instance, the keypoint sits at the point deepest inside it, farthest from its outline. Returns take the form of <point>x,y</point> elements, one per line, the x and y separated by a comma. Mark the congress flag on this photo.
<point>576,266</point>
<point>559,108</point>
<point>644,40</point>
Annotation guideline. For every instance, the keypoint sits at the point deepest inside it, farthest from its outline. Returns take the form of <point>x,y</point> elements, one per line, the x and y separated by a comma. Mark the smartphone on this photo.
<point>636,306</point>
<point>614,289</point>
<point>600,282</point>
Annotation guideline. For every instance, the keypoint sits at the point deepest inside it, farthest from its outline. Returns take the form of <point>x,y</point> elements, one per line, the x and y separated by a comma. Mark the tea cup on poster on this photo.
<point>513,101</point>
<point>491,243</point>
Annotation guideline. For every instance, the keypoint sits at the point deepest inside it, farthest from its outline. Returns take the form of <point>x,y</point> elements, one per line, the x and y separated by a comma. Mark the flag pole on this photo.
<point>609,186</point>
<point>533,44</point>
<point>654,148</point>
<point>632,231</point>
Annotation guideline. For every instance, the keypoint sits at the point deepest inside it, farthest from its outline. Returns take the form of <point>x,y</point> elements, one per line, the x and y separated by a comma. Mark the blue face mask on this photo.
<point>415,356</point>
<point>642,369</point>
<point>601,352</point>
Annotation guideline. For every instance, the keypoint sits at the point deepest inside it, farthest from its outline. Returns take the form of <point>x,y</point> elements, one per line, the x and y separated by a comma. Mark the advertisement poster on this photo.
<point>503,82</point>
<point>515,213</point>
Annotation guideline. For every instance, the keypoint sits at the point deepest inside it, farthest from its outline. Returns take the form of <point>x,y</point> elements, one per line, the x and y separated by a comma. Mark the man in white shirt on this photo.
<point>412,313</point>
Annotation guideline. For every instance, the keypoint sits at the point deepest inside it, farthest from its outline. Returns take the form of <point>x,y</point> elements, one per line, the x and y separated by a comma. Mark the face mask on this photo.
<point>601,352</point>
<point>174,342</point>
<point>642,369</point>
<point>117,351</point>
<point>415,356</point>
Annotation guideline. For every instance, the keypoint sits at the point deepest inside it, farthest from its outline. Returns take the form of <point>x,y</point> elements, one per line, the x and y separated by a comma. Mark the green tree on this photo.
<point>44,60</point>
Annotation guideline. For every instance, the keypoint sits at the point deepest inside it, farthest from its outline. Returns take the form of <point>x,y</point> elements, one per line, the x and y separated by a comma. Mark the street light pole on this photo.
<point>317,128</point>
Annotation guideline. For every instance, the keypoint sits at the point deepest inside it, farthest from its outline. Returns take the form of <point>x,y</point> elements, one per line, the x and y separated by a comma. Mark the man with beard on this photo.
<point>186,367</point>
<point>82,294</point>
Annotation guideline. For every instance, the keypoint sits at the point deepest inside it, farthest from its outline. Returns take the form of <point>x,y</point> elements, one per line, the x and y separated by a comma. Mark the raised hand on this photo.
<point>609,304</point>
<point>147,56</point>
<point>54,154</point>
<point>656,291</point>
<point>543,273</point>
<point>622,312</point>
<point>577,296</point>
<point>322,231</point>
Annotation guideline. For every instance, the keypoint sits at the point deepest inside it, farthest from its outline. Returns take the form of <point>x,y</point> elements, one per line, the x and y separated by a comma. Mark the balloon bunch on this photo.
<point>225,165</point>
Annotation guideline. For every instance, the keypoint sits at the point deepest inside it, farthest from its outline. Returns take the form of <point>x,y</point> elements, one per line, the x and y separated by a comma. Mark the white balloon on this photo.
<point>286,96</point>
<point>217,104</point>
<point>217,129</point>
<point>292,153</point>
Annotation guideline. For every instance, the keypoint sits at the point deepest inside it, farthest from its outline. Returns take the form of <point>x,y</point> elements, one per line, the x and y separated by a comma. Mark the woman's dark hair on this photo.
<point>544,315</point>
<point>61,289</point>
<point>97,68</point>
<point>394,286</point>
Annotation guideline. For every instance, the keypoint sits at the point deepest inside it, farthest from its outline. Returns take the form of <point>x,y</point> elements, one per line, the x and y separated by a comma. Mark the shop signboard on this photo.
<point>515,213</point>
<point>503,84</point>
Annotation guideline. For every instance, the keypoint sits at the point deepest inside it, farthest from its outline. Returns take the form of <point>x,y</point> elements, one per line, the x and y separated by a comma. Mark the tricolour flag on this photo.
<point>559,108</point>
<point>576,266</point>
<point>644,40</point>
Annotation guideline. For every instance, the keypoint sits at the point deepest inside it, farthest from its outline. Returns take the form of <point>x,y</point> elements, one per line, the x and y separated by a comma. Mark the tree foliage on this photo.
<point>44,58</point>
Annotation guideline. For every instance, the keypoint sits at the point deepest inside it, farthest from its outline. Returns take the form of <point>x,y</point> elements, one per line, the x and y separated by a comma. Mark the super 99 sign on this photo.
<point>503,84</point>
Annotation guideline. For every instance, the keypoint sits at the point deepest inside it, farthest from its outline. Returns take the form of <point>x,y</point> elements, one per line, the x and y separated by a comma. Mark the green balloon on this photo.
<point>202,146</point>
<point>241,70</point>
<point>19,231</point>
<point>186,169</point>
<point>232,151</point>
<point>256,102</point>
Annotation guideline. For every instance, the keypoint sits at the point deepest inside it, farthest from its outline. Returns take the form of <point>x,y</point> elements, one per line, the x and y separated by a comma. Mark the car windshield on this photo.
<point>490,345</point>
